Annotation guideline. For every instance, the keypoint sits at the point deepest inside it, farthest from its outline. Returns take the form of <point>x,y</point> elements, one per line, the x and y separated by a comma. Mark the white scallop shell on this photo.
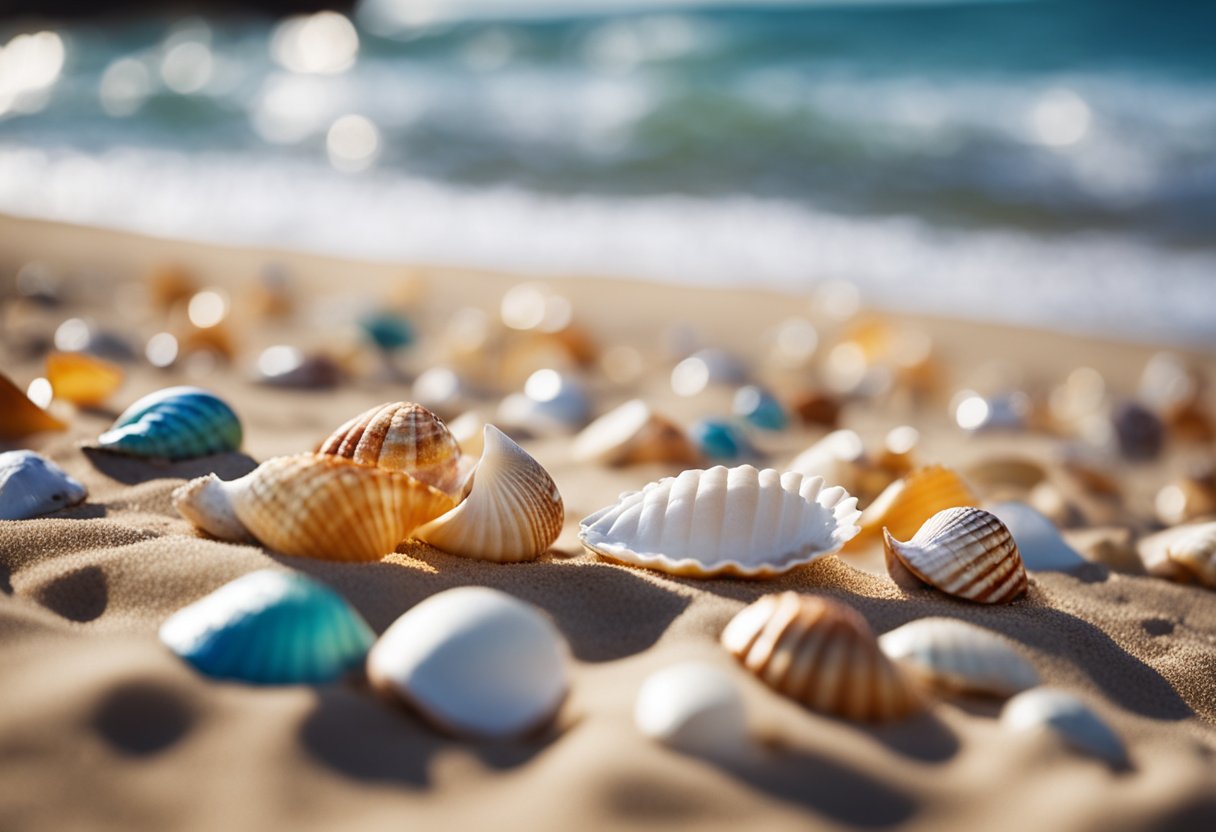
<point>694,707</point>
<point>30,485</point>
<point>474,661</point>
<point>1069,717</point>
<point>1038,539</point>
<point>740,521</point>
<point>958,656</point>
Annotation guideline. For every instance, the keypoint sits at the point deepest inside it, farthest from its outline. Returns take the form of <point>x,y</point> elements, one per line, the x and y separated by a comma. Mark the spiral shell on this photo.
<point>513,512</point>
<point>906,504</point>
<point>313,505</point>
<point>19,416</point>
<point>964,552</point>
<point>82,379</point>
<point>822,654</point>
<point>31,485</point>
<point>955,656</point>
<point>174,423</point>
<point>733,521</point>
<point>401,436</point>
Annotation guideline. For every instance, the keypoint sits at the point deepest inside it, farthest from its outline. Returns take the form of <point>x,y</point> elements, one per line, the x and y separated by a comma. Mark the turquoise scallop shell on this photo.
<point>175,423</point>
<point>270,628</point>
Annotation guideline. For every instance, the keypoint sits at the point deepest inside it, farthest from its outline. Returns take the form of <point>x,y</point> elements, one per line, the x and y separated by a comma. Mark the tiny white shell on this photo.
<point>693,707</point>
<point>1039,542</point>
<point>475,662</point>
<point>957,656</point>
<point>30,485</point>
<point>1069,717</point>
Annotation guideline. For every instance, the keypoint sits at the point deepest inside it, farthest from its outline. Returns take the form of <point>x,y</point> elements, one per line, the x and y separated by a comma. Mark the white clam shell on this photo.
<point>693,707</point>
<point>474,661</point>
<point>1039,541</point>
<point>1069,717</point>
<point>956,656</point>
<point>31,485</point>
<point>740,521</point>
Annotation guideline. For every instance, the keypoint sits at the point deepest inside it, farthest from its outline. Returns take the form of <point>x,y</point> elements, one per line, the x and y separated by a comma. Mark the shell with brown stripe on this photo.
<point>964,552</point>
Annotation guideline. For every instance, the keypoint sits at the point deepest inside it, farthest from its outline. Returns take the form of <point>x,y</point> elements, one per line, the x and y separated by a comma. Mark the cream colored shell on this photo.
<point>1183,554</point>
<point>633,433</point>
<point>955,656</point>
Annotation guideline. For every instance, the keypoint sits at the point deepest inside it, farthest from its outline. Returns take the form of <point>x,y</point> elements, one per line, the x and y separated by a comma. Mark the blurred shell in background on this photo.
<point>20,417</point>
<point>956,656</point>
<point>633,433</point>
<point>694,707</point>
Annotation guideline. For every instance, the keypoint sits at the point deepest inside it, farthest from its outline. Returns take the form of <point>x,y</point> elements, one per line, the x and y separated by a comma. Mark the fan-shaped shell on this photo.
<point>313,505</point>
<point>964,552</point>
<point>270,627</point>
<point>633,433</point>
<point>175,423</point>
<point>513,512</point>
<point>19,416</point>
<point>694,707</point>
<point>82,379</point>
<point>31,485</point>
<point>822,654</point>
<point>401,436</point>
<point>1069,718</point>
<point>474,661</point>
<point>1039,541</point>
<point>905,505</point>
<point>956,656</point>
<point>736,521</point>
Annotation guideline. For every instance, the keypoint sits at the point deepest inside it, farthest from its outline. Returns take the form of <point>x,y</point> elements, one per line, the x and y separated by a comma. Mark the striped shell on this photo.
<point>631,434</point>
<point>174,423</point>
<point>401,436</point>
<point>906,504</point>
<point>19,416</point>
<point>31,485</point>
<point>313,505</point>
<point>724,521</point>
<point>822,654</point>
<point>964,552</point>
<point>82,379</point>
<point>513,512</point>
<point>1067,717</point>
<point>270,627</point>
<point>955,656</point>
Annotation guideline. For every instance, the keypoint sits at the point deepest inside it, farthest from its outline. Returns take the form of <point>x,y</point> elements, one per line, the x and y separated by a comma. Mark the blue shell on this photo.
<point>759,408</point>
<point>175,423</point>
<point>388,331</point>
<point>31,485</point>
<point>719,439</point>
<point>270,628</point>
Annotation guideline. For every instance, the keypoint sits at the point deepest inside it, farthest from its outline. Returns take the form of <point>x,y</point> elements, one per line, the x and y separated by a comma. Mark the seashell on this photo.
<point>1006,472</point>
<point>719,439</point>
<point>899,451</point>
<point>817,408</point>
<point>31,485</point>
<point>759,408</point>
<point>313,505</point>
<point>475,662</point>
<point>1111,546</point>
<point>79,335</point>
<point>1037,538</point>
<point>286,366</point>
<point>174,423</point>
<point>964,552</point>
<point>552,404</point>
<point>841,459</point>
<point>822,654</point>
<point>710,367</point>
<point>633,433</point>
<point>388,331</point>
<point>405,437</point>
<point>82,379</point>
<point>513,512</point>
<point>1129,428</point>
<point>724,521</point>
<point>693,707</point>
<point>271,628</point>
<point>19,416</point>
<point>1183,554</point>
<point>1069,718</point>
<point>1008,411</point>
<point>959,657</point>
<point>905,505</point>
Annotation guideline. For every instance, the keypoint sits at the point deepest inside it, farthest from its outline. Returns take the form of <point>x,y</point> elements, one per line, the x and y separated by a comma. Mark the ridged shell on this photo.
<point>1039,541</point>
<point>19,416</point>
<point>955,656</point>
<point>822,654</point>
<point>1069,718</point>
<point>82,379</point>
<point>964,552</point>
<point>272,628</point>
<point>905,505</point>
<point>175,423</point>
<point>694,707</point>
<point>31,485</point>
<point>513,512</point>
<point>313,505</point>
<point>405,437</point>
<point>633,433</point>
<point>475,662</point>
<point>736,521</point>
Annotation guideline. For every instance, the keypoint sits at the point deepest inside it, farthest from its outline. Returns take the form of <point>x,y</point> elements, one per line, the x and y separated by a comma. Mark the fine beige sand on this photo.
<point>102,728</point>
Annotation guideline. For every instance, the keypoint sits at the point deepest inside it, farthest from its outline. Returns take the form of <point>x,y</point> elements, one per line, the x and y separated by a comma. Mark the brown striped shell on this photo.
<point>822,654</point>
<point>964,552</point>
<point>906,504</point>
<point>405,437</point>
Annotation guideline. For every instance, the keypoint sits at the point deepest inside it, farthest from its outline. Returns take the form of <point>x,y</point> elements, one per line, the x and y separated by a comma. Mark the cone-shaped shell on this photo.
<point>724,521</point>
<point>401,436</point>
<point>31,485</point>
<point>905,505</point>
<point>513,512</point>
<point>955,656</point>
<point>1068,718</point>
<point>313,505</point>
<point>821,653</point>
<point>964,552</point>
<point>19,416</point>
<point>174,423</point>
<point>82,379</point>
<point>270,627</point>
<point>631,434</point>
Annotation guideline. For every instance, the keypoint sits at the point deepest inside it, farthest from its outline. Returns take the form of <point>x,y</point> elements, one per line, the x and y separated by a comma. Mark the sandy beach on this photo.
<point>104,728</point>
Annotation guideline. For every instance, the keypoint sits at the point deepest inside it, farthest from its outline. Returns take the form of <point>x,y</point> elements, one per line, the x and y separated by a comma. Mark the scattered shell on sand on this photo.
<point>270,627</point>
<point>19,416</point>
<point>174,423</point>
<point>693,707</point>
<point>1039,541</point>
<point>1189,498</point>
<point>964,552</point>
<point>1069,718</point>
<point>724,521</point>
<point>1184,554</point>
<point>82,379</point>
<point>905,505</point>
<point>955,656</point>
<point>841,459</point>
<point>552,404</point>
<point>32,485</point>
<point>709,367</point>
<point>822,654</point>
<point>759,408</point>
<point>475,662</point>
<point>633,433</point>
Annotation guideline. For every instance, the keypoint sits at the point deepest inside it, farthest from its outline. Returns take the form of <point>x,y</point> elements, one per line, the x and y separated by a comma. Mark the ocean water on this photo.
<point>1049,162</point>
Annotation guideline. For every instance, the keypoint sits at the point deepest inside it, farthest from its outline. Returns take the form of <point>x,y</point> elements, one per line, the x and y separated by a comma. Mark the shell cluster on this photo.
<point>32,485</point>
<point>174,423</point>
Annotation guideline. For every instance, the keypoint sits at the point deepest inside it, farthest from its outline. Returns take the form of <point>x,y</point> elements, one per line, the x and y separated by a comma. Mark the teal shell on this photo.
<point>270,628</point>
<point>175,423</point>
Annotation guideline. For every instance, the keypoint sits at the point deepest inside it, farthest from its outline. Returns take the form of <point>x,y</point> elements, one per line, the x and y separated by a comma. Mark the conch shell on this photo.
<point>955,656</point>
<point>965,552</point>
<point>822,654</point>
<point>906,504</point>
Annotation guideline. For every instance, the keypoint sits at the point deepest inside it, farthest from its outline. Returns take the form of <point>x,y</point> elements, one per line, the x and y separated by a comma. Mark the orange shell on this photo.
<point>19,416</point>
<point>906,504</point>
<point>82,379</point>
